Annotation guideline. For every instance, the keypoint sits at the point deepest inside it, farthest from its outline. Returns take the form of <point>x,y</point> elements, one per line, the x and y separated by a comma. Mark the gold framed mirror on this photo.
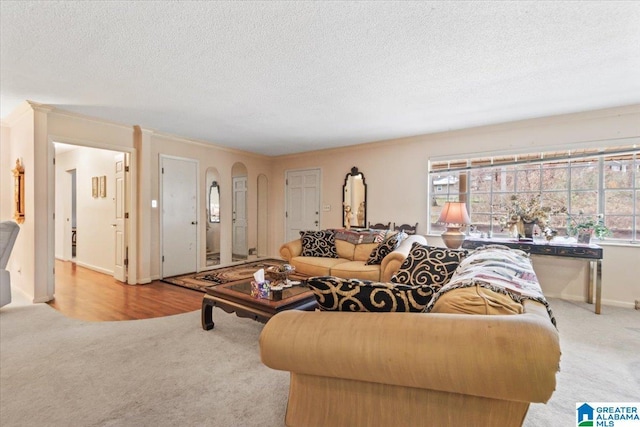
<point>18,192</point>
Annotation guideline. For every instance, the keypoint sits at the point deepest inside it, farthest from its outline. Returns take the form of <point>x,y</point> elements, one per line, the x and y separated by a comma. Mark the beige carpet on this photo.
<point>56,371</point>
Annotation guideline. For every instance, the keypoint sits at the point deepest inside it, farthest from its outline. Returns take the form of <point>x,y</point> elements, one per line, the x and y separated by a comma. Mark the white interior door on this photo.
<point>66,190</point>
<point>119,224</point>
<point>303,202</point>
<point>240,216</point>
<point>179,216</point>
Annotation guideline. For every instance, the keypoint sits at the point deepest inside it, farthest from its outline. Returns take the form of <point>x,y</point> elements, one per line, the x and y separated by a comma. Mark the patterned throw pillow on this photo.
<point>389,245</point>
<point>429,265</point>
<point>336,294</point>
<point>348,236</point>
<point>373,236</point>
<point>319,243</point>
<point>358,237</point>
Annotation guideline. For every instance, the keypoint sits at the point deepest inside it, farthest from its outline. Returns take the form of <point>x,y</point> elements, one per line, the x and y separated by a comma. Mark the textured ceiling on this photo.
<point>284,77</point>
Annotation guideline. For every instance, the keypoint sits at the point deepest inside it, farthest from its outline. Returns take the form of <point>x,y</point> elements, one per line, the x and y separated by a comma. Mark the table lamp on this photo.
<point>454,215</point>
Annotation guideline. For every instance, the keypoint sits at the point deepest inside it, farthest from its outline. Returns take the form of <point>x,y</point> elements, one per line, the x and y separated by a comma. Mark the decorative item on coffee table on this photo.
<point>279,275</point>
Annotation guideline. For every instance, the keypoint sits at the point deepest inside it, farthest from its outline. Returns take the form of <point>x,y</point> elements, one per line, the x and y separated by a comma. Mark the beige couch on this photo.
<point>443,368</point>
<point>351,261</point>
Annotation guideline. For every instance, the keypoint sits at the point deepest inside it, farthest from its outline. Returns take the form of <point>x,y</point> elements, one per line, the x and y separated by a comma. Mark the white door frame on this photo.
<point>131,242</point>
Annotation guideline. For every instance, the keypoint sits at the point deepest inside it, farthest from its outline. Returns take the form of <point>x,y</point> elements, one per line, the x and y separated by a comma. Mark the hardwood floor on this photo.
<point>85,294</point>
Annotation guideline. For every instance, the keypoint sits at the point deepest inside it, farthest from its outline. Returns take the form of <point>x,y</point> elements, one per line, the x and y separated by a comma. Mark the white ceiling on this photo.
<point>291,76</point>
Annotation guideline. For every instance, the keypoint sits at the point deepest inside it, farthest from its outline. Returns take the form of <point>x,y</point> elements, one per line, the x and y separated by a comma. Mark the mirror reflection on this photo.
<point>354,199</point>
<point>213,217</point>
<point>214,202</point>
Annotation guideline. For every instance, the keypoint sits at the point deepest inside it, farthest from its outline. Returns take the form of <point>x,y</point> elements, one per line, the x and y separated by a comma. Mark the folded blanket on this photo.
<point>500,269</point>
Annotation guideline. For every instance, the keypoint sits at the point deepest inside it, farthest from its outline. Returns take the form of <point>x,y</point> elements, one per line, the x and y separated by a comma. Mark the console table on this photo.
<point>591,253</point>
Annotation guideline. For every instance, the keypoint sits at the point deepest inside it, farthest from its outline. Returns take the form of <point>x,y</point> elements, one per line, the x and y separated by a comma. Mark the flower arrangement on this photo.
<point>549,233</point>
<point>527,209</point>
<point>579,223</point>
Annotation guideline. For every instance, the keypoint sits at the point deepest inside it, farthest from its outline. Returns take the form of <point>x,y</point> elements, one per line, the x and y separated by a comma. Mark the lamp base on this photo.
<point>453,237</point>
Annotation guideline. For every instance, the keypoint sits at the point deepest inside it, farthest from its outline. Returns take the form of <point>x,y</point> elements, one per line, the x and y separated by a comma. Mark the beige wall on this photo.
<point>397,185</point>
<point>395,172</point>
<point>18,142</point>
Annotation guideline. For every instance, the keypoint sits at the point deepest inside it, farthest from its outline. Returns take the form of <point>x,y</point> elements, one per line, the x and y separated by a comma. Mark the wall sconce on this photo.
<point>455,216</point>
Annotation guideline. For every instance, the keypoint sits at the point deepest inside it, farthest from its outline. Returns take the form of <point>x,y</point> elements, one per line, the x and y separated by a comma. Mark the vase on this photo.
<point>584,236</point>
<point>527,229</point>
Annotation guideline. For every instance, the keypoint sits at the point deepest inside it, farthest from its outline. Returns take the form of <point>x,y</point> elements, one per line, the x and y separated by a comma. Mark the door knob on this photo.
<point>194,222</point>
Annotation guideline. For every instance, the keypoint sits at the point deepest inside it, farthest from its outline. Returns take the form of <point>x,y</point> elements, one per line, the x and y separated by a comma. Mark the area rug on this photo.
<point>207,279</point>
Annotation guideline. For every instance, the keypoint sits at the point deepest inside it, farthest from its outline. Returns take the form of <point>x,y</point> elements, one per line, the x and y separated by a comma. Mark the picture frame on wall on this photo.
<point>94,187</point>
<point>103,186</point>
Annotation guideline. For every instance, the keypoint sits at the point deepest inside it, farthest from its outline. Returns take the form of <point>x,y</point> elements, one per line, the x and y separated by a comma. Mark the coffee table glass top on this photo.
<point>245,288</point>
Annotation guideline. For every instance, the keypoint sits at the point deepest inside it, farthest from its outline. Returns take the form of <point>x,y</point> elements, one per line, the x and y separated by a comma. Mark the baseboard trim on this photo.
<point>94,268</point>
<point>576,298</point>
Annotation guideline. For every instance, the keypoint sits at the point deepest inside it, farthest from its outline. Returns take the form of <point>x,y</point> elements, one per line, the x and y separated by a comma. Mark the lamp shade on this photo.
<point>454,213</point>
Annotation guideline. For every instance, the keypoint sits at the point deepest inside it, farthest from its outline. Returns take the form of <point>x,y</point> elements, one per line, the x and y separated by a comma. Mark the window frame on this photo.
<point>565,161</point>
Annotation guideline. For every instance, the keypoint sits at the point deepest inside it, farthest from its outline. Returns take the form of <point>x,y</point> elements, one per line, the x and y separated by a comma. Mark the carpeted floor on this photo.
<point>206,279</point>
<point>57,371</point>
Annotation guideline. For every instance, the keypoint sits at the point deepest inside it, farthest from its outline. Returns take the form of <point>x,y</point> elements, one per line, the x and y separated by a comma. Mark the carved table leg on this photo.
<point>207,313</point>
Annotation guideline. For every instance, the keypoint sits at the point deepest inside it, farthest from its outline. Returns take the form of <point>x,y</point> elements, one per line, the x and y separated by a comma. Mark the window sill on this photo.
<point>603,243</point>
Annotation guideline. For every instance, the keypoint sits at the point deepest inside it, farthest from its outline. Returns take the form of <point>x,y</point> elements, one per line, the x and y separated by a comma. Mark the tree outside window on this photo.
<point>589,181</point>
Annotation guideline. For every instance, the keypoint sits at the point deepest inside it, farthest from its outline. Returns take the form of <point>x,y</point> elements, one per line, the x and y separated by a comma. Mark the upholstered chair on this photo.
<point>8,233</point>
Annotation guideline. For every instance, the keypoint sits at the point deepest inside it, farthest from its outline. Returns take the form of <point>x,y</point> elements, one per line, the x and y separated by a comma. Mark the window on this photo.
<point>592,181</point>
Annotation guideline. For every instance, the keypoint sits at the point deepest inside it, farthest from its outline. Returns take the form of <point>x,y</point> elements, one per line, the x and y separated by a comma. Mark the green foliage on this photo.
<point>582,222</point>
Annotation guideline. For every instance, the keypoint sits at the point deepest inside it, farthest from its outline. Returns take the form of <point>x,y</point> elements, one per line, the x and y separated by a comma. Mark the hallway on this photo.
<point>85,294</point>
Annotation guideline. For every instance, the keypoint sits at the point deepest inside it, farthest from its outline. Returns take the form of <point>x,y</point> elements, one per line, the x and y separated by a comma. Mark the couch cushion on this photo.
<point>344,249</point>
<point>356,270</point>
<point>315,266</point>
<point>429,265</point>
<point>319,244</point>
<point>363,251</point>
<point>336,294</point>
<point>476,300</point>
<point>389,245</point>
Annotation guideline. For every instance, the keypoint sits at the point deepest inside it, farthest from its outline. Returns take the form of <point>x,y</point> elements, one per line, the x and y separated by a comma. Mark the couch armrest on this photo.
<point>5,287</point>
<point>508,357</point>
<point>392,262</point>
<point>291,249</point>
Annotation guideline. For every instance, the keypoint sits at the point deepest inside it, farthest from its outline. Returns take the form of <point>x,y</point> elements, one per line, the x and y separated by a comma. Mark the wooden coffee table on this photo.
<point>235,297</point>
